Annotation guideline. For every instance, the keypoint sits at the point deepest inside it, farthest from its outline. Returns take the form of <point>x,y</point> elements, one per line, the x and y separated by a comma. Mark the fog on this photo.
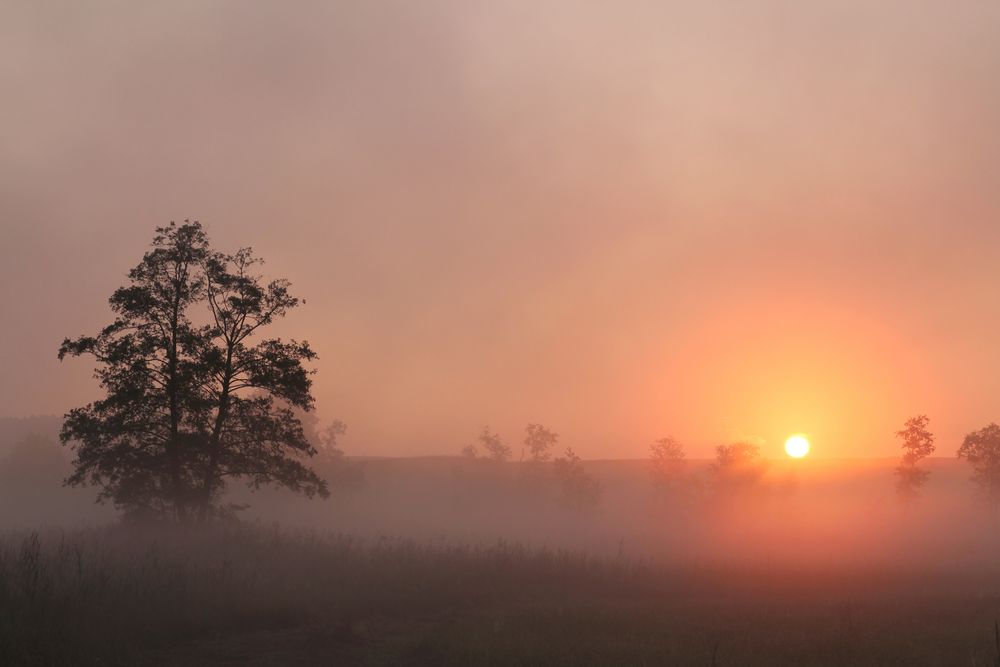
<point>840,514</point>
<point>725,223</point>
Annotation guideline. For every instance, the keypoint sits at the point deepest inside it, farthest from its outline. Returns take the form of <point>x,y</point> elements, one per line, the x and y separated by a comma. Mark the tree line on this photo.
<point>578,489</point>
<point>196,395</point>
<point>738,465</point>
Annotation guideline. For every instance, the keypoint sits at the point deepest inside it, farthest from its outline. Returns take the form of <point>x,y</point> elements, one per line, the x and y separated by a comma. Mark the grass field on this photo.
<point>253,595</point>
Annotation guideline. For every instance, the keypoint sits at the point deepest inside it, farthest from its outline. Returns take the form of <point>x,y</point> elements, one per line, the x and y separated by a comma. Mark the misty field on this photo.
<point>258,595</point>
<point>450,561</point>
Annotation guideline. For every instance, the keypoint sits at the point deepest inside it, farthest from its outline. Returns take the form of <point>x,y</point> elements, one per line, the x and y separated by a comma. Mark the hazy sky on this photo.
<point>716,220</point>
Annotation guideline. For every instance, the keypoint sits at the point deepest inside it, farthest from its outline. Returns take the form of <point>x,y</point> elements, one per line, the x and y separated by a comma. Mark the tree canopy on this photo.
<point>982,450</point>
<point>666,460</point>
<point>917,444</point>
<point>194,395</point>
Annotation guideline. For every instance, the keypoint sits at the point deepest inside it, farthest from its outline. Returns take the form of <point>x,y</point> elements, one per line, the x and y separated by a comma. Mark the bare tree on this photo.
<point>918,444</point>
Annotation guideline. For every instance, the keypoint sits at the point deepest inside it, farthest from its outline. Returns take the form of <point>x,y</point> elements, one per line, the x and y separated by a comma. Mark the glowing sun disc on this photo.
<point>797,446</point>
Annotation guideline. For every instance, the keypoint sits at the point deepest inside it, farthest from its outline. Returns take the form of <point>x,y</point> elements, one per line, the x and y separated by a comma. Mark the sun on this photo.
<point>797,446</point>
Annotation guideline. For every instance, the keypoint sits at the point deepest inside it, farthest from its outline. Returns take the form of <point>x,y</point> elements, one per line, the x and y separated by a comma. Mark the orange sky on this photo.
<point>622,221</point>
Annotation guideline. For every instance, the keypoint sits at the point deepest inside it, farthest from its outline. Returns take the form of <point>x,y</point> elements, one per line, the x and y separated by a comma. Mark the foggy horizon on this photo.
<point>380,333</point>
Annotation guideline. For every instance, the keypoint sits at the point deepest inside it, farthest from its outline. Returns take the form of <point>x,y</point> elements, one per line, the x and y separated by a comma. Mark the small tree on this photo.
<point>666,461</point>
<point>329,439</point>
<point>470,452</point>
<point>539,442</point>
<point>580,491</point>
<point>982,450</point>
<point>331,460</point>
<point>496,449</point>
<point>918,444</point>
<point>737,466</point>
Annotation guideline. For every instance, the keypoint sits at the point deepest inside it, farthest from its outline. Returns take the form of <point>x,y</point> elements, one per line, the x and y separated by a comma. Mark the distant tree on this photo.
<point>982,450</point>
<point>736,457</point>
<point>918,444</point>
<point>737,466</point>
<point>329,439</point>
<point>496,449</point>
<point>579,489</point>
<point>188,406</point>
<point>539,442</point>
<point>666,461</point>
<point>331,459</point>
<point>331,462</point>
<point>470,451</point>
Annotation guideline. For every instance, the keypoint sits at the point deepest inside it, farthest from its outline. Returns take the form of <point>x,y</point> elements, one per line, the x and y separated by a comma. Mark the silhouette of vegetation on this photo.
<point>737,467</point>
<point>667,462</point>
<point>330,459</point>
<point>244,595</point>
<point>578,488</point>
<point>918,444</point>
<point>189,406</point>
<point>539,441</point>
<point>982,450</point>
<point>496,449</point>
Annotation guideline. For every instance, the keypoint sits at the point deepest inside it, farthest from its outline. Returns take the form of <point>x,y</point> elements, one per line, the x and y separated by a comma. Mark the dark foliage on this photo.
<point>982,450</point>
<point>187,407</point>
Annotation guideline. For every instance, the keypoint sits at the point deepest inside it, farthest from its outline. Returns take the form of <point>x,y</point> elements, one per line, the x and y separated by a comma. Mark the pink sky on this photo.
<point>619,219</point>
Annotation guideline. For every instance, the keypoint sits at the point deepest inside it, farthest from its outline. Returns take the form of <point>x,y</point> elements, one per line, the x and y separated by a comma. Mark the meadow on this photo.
<point>261,595</point>
<point>443,561</point>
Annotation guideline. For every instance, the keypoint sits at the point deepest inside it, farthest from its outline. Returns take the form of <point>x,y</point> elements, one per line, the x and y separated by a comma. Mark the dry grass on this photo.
<point>253,595</point>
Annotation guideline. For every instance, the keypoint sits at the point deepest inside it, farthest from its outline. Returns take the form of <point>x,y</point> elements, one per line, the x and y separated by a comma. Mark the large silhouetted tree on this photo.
<point>982,450</point>
<point>131,441</point>
<point>188,406</point>
<point>918,444</point>
<point>249,433</point>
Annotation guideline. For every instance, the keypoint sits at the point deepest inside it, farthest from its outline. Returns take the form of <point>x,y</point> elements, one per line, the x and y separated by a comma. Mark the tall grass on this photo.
<point>143,596</point>
<point>99,596</point>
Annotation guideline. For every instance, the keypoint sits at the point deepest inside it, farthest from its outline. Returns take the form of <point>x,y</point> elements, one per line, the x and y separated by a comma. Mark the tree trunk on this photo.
<point>173,443</point>
<point>215,439</point>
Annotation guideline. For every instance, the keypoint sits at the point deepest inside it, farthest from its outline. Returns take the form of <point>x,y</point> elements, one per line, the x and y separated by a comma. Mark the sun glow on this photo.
<point>797,446</point>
